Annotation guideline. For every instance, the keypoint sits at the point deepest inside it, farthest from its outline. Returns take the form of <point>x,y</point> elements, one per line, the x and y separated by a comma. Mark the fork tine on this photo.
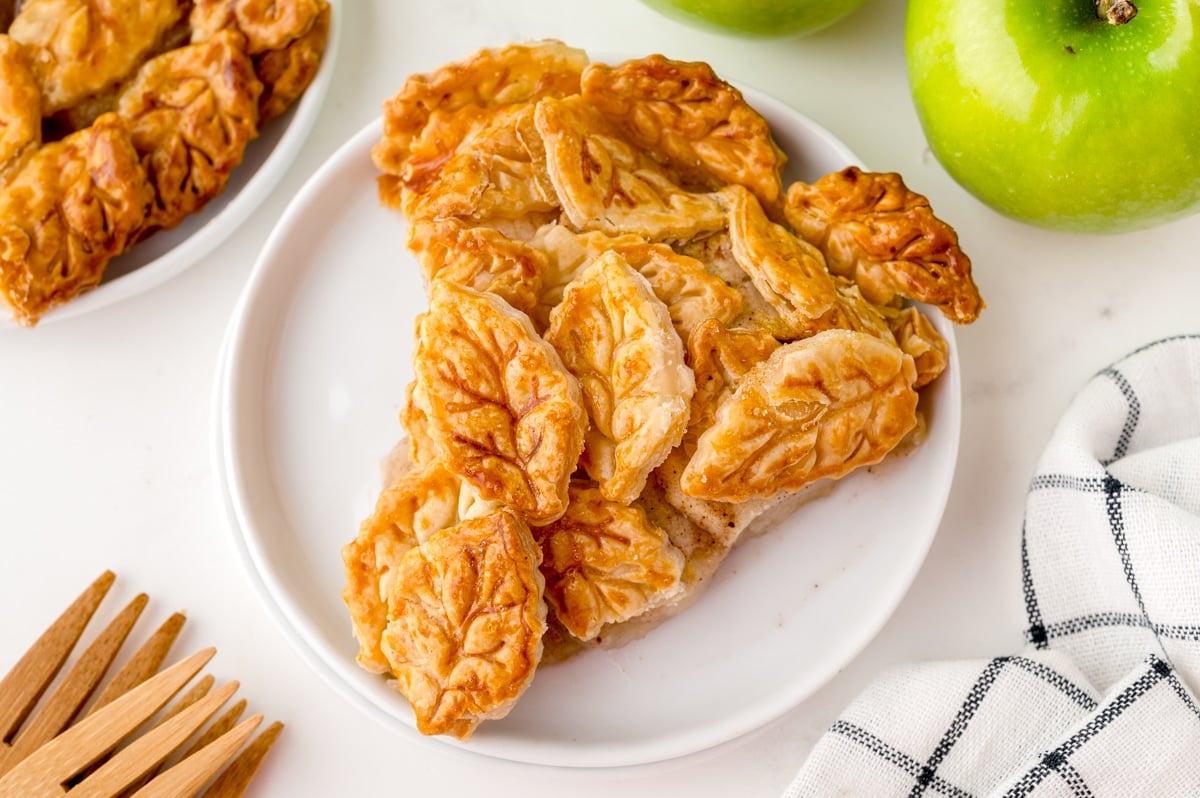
<point>190,774</point>
<point>144,753</point>
<point>219,726</point>
<point>70,752</point>
<point>29,678</point>
<point>227,721</point>
<point>144,662</point>
<point>79,683</point>
<point>234,780</point>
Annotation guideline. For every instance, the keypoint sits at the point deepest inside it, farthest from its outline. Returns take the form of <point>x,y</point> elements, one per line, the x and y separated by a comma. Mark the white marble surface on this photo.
<point>105,455</point>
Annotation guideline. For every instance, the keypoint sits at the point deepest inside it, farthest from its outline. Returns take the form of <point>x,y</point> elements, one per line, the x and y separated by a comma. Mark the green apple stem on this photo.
<point>1115,12</point>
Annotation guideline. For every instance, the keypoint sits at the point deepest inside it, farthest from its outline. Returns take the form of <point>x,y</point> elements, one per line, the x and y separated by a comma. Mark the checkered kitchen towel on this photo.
<point>1102,702</point>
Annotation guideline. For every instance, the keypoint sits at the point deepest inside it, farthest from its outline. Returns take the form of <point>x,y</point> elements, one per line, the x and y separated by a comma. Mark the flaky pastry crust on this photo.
<point>616,336</point>
<point>496,174</point>
<point>503,412</point>
<point>481,258</point>
<point>788,272</point>
<point>604,183</point>
<point>875,230</point>
<point>465,623</point>
<point>695,121</point>
<point>20,107</point>
<point>82,47</point>
<point>690,292</point>
<point>423,500</point>
<point>71,207</point>
<point>287,72</point>
<point>816,408</point>
<point>191,113</point>
<point>605,563</point>
<point>427,119</point>
<point>916,335</point>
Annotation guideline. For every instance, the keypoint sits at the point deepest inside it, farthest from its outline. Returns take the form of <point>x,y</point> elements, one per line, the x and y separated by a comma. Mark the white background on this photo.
<point>104,457</point>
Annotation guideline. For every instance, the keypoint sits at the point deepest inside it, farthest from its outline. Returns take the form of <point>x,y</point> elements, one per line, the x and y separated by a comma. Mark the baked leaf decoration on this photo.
<point>690,292</point>
<point>266,24</point>
<point>80,48</point>
<point>496,174</point>
<point>720,357</point>
<point>616,336</point>
<point>875,230</point>
<point>424,500</point>
<point>916,335</point>
<point>71,207</point>
<point>604,562</point>
<point>503,412</point>
<point>191,112</point>
<point>481,258</point>
<point>20,107</point>
<point>287,72</point>
<point>465,623</point>
<point>788,272</point>
<point>606,184</point>
<point>424,123</point>
<point>693,120</point>
<point>816,408</point>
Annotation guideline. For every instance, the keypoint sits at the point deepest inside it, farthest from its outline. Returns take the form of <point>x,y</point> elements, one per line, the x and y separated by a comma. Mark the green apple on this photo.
<point>1076,115</point>
<point>761,18</point>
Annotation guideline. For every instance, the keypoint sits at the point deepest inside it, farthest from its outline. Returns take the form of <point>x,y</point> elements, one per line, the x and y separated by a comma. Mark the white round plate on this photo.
<point>169,252</point>
<point>312,381</point>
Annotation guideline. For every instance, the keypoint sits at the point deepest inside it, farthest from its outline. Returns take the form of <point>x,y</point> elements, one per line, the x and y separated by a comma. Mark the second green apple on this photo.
<point>1053,114</point>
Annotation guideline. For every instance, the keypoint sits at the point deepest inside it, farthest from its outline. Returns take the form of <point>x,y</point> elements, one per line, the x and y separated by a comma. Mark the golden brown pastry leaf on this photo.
<point>604,562</point>
<point>496,174</point>
<point>816,408</point>
<point>415,420</point>
<point>424,500</point>
<point>503,412</point>
<point>720,357</point>
<point>428,118</point>
<point>286,72</point>
<point>685,286</point>
<point>875,230</point>
<point>917,336</point>
<point>81,47</point>
<point>266,24</point>
<point>465,623</point>
<point>20,107</point>
<point>788,272</point>
<point>71,207</point>
<point>192,111</point>
<point>616,336</point>
<point>606,184</point>
<point>692,119</point>
<point>481,258</point>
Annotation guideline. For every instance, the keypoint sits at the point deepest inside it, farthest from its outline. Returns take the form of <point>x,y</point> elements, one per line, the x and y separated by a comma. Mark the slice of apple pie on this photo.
<point>639,348</point>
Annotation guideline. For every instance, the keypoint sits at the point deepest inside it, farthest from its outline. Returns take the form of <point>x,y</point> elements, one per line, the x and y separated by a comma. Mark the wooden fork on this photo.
<point>63,750</point>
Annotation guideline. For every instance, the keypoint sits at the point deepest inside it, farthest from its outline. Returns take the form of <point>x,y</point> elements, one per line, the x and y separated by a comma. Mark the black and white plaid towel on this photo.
<point>1102,702</point>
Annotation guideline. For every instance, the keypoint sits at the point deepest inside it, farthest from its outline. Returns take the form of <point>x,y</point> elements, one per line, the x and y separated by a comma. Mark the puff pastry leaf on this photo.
<point>616,336</point>
<point>503,412</point>
<point>192,111</point>
<point>606,184</point>
<point>604,562</point>
<point>465,623</point>
<point>816,408</point>
<point>692,119</point>
<point>71,207</point>
<point>875,230</point>
<point>428,118</point>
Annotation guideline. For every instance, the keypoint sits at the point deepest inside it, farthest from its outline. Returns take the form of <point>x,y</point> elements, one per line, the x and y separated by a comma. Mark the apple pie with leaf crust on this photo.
<point>193,83</point>
<point>641,346</point>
